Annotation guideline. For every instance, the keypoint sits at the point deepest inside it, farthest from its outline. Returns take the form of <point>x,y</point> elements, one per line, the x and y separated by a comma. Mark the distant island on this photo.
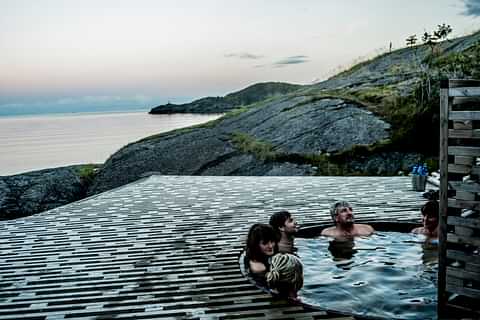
<point>247,96</point>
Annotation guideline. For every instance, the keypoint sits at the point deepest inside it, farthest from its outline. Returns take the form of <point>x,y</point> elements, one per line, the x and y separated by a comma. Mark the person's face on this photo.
<point>430,222</point>
<point>344,216</point>
<point>266,247</point>
<point>290,226</point>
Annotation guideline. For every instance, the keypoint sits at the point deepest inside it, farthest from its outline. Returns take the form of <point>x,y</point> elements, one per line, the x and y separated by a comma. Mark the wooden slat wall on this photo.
<point>459,263</point>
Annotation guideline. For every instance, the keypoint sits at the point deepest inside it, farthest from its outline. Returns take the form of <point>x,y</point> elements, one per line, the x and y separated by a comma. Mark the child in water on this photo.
<point>286,275</point>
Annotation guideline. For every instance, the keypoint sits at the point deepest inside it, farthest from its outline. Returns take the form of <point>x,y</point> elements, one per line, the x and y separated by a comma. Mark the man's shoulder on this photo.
<point>367,226</point>
<point>329,232</point>
<point>364,228</point>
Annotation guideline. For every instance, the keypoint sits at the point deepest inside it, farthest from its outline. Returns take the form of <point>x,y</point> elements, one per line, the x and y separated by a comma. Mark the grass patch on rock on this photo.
<point>87,173</point>
<point>249,144</point>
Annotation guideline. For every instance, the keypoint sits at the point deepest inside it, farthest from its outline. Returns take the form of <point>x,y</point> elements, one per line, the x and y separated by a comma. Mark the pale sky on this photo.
<point>148,52</point>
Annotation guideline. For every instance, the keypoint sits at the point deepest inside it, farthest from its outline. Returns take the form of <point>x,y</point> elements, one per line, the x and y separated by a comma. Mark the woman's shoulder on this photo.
<point>256,271</point>
<point>256,267</point>
<point>419,230</point>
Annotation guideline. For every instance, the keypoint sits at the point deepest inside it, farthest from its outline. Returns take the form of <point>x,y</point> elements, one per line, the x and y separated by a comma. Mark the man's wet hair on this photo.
<point>278,219</point>
<point>431,208</point>
<point>335,206</point>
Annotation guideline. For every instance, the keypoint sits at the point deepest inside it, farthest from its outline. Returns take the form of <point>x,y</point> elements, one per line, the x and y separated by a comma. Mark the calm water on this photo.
<point>388,275</point>
<point>37,142</point>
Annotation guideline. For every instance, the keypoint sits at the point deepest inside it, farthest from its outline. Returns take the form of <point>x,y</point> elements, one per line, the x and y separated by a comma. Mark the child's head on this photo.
<point>286,274</point>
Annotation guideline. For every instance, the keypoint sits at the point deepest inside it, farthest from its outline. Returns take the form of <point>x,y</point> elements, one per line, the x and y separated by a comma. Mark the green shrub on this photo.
<point>87,173</point>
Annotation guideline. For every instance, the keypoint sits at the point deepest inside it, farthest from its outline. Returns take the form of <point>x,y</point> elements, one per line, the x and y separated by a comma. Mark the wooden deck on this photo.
<point>168,246</point>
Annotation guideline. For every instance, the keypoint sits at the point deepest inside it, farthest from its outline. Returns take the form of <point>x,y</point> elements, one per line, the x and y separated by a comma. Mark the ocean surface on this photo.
<point>30,143</point>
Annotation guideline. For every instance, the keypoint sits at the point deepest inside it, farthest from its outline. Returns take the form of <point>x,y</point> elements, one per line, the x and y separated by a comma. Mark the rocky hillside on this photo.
<point>399,69</point>
<point>244,97</point>
<point>37,191</point>
<point>374,119</point>
<point>258,141</point>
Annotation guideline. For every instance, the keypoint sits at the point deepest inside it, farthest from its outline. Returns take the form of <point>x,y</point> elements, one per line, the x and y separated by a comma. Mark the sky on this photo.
<point>61,54</point>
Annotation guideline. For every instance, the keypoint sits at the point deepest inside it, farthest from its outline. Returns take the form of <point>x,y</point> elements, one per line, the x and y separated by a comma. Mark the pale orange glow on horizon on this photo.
<point>192,49</point>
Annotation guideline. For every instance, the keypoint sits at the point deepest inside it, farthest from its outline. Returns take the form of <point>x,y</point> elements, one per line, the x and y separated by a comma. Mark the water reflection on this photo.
<point>430,252</point>
<point>342,249</point>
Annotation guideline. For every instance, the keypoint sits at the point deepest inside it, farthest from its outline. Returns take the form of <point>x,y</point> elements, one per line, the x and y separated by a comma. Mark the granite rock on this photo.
<point>37,191</point>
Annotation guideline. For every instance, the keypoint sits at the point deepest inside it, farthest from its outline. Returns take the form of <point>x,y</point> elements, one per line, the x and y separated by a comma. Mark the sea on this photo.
<point>34,142</point>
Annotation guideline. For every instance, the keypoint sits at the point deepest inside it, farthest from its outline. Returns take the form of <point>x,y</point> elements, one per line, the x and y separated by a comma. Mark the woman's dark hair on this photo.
<point>431,208</point>
<point>259,233</point>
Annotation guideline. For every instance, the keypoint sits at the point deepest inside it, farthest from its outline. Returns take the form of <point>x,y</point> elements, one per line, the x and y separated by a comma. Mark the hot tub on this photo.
<point>390,274</point>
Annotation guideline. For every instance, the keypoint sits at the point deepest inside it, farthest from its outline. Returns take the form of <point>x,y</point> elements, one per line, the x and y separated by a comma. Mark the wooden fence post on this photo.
<point>444,106</point>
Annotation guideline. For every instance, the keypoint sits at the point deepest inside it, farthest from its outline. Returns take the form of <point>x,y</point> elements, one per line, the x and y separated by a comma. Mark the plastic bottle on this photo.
<point>415,170</point>
<point>425,169</point>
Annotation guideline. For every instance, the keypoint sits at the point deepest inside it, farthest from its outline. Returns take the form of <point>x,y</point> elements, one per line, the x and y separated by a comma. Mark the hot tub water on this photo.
<point>387,275</point>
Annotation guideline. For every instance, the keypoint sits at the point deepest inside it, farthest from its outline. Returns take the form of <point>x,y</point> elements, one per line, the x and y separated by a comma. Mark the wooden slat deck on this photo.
<point>167,247</point>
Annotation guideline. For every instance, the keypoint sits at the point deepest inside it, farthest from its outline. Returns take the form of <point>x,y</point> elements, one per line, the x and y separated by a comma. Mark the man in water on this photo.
<point>345,226</point>
<point>286,226</point>
<point>430,211</point>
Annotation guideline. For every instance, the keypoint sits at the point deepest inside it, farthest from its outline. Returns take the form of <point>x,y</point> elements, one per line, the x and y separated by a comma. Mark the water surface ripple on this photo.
<point>388,275</point>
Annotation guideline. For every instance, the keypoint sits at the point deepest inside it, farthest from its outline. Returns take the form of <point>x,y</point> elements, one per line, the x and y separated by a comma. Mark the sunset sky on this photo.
<point>146,52</point>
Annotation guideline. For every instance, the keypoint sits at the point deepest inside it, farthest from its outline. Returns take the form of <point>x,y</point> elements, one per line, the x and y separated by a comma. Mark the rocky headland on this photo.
<point>377,118</point>
<point>25,194</point>
<point>249,95</point>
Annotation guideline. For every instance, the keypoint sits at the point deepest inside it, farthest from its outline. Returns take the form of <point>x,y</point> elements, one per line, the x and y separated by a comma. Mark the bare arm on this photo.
<point>418,230</point>
<point>256,267</point>
<point>329,232</point>
<point>365,229</point>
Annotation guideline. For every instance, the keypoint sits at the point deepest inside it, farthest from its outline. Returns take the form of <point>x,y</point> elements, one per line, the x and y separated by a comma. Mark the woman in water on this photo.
<point>281,272</point>
<point>430,213</point>
<point>262,241</point>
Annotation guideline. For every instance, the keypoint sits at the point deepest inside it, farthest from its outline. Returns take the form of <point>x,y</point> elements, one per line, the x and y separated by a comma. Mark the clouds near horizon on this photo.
<point>243,55</point>
<point>291,60</point>
<point>97,101</point>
